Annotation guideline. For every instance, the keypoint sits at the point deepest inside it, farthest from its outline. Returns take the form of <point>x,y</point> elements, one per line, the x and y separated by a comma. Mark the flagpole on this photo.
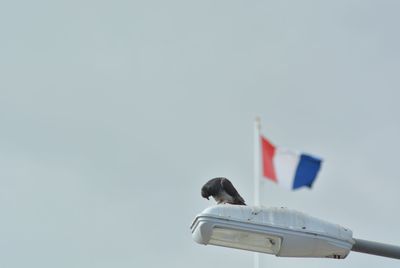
<point>257,126</point>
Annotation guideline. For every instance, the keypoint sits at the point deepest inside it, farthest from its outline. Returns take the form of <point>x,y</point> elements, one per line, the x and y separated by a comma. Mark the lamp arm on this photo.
<point>375,248</point>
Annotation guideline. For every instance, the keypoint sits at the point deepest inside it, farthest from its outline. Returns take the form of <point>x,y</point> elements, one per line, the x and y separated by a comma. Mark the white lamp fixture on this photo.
<point>278,231</point>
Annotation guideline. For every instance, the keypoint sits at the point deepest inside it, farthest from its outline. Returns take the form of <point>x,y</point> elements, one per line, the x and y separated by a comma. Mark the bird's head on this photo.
<point>205,193</point>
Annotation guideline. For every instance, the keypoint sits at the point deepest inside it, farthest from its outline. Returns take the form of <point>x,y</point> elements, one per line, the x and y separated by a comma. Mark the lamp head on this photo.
<point>278,231</point>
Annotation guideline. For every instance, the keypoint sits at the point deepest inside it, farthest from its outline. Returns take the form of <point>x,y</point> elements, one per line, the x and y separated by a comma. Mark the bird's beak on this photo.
<point>208,198</point>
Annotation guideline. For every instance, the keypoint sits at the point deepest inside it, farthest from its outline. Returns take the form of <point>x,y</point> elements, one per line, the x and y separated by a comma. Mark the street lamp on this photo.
<point>280,231</point>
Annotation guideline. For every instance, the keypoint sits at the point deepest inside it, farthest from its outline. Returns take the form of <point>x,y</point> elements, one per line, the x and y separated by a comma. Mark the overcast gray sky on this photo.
<point>114,113</point>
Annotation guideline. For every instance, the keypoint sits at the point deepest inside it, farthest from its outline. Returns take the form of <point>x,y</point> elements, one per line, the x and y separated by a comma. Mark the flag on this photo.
<point>288,168</point>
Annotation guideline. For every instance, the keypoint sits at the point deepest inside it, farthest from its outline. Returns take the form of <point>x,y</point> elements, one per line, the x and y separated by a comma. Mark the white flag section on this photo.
<point>285,163</point>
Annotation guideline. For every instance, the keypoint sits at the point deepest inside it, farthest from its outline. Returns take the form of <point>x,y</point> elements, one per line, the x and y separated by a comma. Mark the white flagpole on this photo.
<point>257,126</point>
<point>257,161</point>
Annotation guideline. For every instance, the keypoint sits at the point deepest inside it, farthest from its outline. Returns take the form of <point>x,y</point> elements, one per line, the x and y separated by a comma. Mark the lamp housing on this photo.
<point>279,231</point>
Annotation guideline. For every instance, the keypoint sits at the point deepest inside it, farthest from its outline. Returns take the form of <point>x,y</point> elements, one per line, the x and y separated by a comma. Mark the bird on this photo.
<point>223,191</point>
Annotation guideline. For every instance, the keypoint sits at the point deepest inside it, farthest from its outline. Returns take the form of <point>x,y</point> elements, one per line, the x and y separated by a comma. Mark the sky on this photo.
<point>113,114</point>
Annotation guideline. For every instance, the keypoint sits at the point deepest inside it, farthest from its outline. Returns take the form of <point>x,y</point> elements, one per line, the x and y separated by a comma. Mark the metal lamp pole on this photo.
<point>375,248</point>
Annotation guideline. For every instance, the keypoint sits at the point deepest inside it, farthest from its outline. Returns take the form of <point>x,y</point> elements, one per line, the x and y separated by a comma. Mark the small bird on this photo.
<point>223,191</point>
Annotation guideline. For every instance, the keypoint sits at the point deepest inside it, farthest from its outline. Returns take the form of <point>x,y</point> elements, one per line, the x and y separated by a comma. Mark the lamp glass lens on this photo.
<point>245,240</point>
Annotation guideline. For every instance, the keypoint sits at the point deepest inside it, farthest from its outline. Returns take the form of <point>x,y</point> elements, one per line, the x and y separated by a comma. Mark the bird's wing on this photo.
<point>228,187</point>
